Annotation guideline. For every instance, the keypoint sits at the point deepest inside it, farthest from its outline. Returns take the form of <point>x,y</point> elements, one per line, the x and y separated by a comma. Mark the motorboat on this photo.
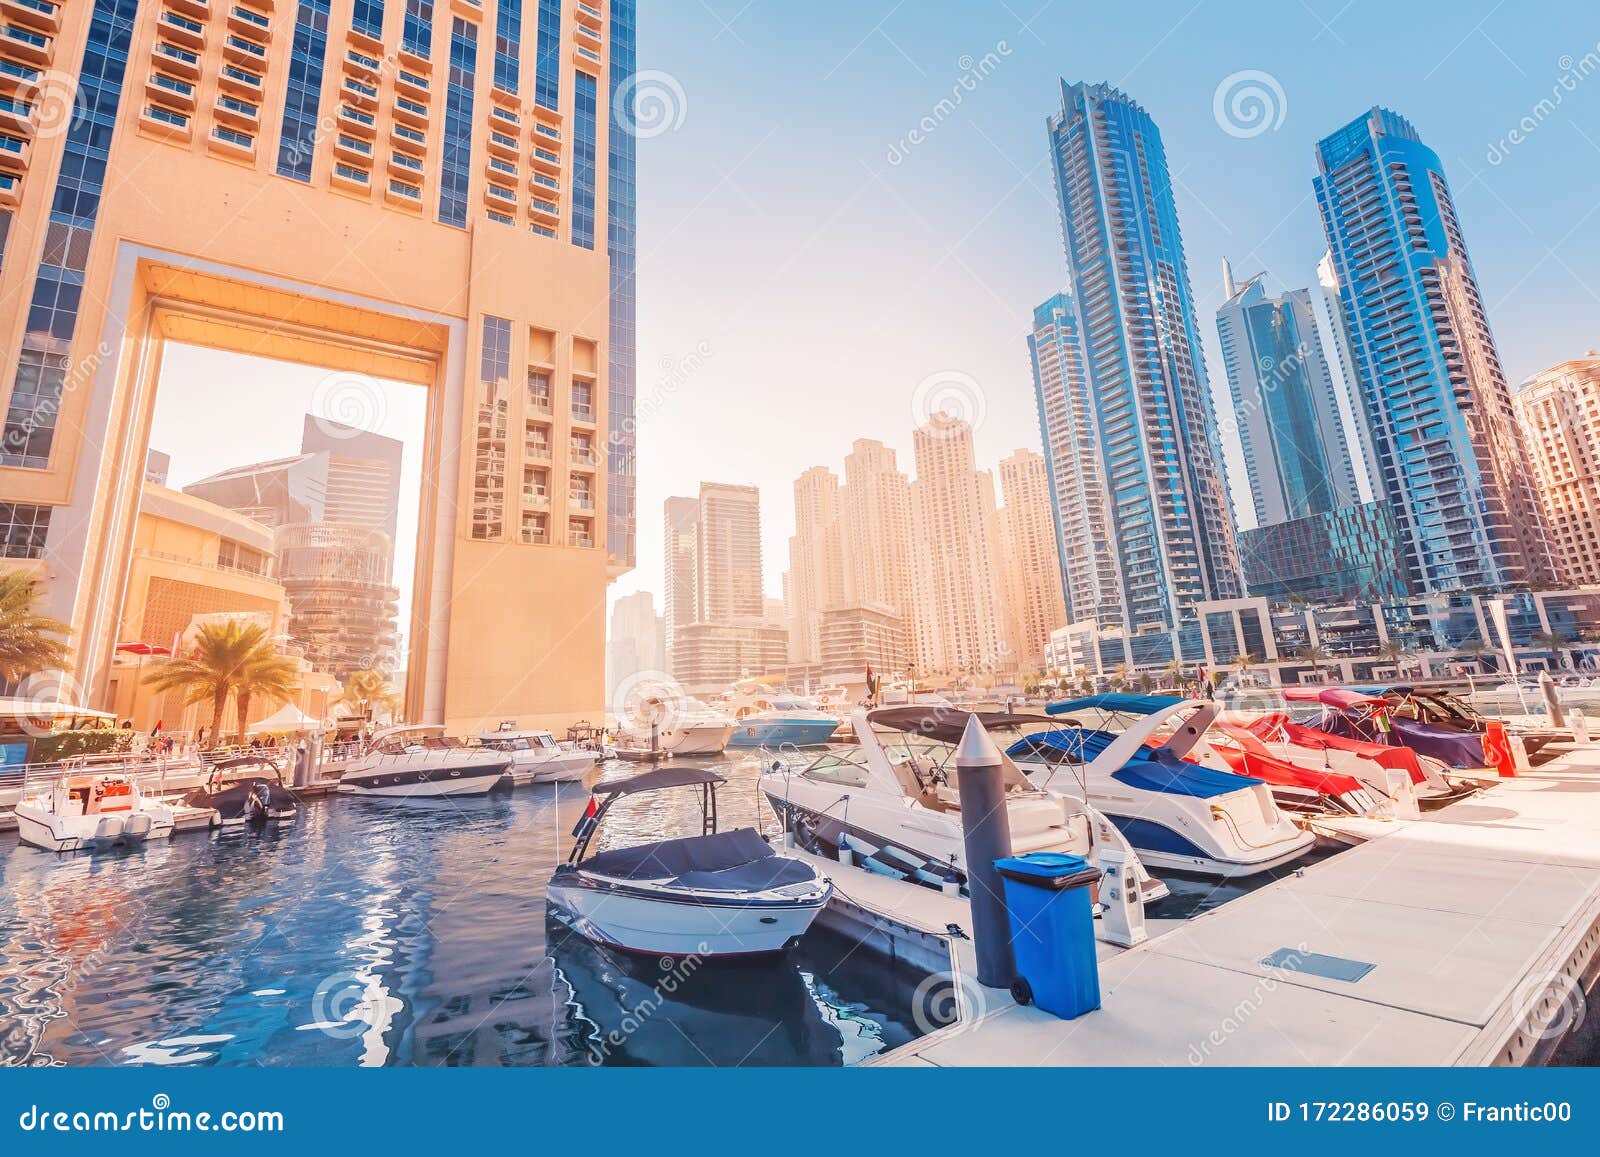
<point>416,761</point>
<point>779,720</point>
<point>1179,814</point>
<point>536,757</point>
<point>1558,738</point>
<point>585,736</point>
<point>716,894</point>
<point>245,791</point>
<point>892,802</point>
<point>1441,751</point>
<point>92,813</point>
<point>687,727</point>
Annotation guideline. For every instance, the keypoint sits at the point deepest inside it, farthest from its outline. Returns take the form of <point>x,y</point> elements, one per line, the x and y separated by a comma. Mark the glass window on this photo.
<point>417,35</point>
<point>584,128</point>
<point>298,141</point>
<point>508,45</point>
<point>369,17</point>
<point>455,171</point>
<point>23,530</point>
<point>547,75</point>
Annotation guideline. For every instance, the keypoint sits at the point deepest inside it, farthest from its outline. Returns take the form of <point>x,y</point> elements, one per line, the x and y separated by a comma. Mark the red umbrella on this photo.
<point>142,649</point>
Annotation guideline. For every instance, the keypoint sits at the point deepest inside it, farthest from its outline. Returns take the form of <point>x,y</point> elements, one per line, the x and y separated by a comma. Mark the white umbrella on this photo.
<point>287,718</point>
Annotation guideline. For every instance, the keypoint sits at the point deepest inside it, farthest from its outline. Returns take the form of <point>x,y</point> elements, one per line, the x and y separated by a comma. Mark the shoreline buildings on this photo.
<point>464,164</point>
<point>1558,410</point>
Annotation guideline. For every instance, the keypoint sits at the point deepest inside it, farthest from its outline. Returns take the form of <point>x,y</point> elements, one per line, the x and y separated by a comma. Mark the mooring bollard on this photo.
<point>1552,701</point>
<point>986,834</point>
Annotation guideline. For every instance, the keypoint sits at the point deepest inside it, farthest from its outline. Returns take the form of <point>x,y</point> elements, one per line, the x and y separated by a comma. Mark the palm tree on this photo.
<point>1120,676</point>
<point>1476,649</point>
<point>1175,672</point>
<point>268,674</point>
<point>1554,642</point>
<point>1394,650</point>
<point>1245,661</point>
<point>1314,655</point>
<point>28,639</point>
<point>212,670</point>
<point>367,689</point>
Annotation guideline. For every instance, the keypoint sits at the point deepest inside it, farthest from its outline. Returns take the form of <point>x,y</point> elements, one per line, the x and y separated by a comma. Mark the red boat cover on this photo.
<point>1252,758</point>
<point>1282,727</point>
<point>1341,697</point>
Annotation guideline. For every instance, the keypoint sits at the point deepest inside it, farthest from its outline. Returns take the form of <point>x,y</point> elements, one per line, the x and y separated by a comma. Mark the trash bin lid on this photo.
<point>1054,870</point>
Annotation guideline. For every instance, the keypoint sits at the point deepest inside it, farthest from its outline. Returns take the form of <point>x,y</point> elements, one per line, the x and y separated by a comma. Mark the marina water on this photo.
<point>382,933</point>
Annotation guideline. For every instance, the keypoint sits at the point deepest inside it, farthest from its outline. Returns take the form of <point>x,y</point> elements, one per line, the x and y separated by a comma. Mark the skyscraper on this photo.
<point>413,191</point>
<point>680,530</point>
<point>635,643</point>
<point>1070,434</point>
<point>957,600</point>
<point>622,219</point>
<point>816,562</point>
<point>876,528</point>
<point>1168,520</point>
<point>1559,412</point>
<point>1031,570</point>
<point>1296,458</point>
<point>728,554</point>
<point>1447,454</point>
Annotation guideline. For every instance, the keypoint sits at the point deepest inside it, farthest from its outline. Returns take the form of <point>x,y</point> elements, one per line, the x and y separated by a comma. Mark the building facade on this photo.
<point>1030,567</point>
<point>956,594</point>
<point>876,529</point>
<point>1296,458</point>
<point>1070,435</point>
<point>419,192</point>
<point>1558,410</point>
<point>861,636</point>
<point>816,562</point>
<point>1447,453</point>
<point>1169,525</point>
<point>1349,553</point>
<point>636,642</point>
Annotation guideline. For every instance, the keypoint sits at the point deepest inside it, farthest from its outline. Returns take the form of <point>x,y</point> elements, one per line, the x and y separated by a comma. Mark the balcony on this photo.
<point>353,148</point>
<point>534,500</point>
<point>410,111</point>
<point>227,142</point>
<point>545,160</point>
<point>178,60</point>
<point>257,25</point>
<point>580,538</point>
<point>26,44</point>
<point>183,31</point>
<point>535,452</point>
<point>404,194</point>
<point>546,211</point>
<point>583,414</point>
<point>360,94</point>
<point>239,80</point>
<point>44,15</point>
<point>589,15</point>
<point>584,456</point>
<point>362,39</point>
<point>412,84</point>
<point>353,120</point>
<point>14,153</point>
<point>243,50</point>
<point>580,501</point>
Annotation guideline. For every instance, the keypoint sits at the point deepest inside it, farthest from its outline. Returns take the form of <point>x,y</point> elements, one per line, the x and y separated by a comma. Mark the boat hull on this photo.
<point>563,768</point>
<point>635,920</point>
<point>783,733</point>
<point>439,782</point>
<point>85,833</point>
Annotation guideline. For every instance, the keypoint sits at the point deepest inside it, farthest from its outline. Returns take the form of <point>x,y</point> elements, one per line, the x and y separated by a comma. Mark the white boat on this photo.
<point>1178,814</point>
<point>718,894</point>
<point>690,727</point>
<point>416,762</point>
<point>893,802</point>
<point>536,757</point>
<point>92,813</point>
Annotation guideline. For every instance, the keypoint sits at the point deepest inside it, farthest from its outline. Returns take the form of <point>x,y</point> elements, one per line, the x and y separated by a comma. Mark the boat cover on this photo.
<point>1150,769</point>
<point>1116,701</point>
<point>1271,727</point>
<point>945,724</point>
<point>657,780</point>
<point>736,861</point>
<point>1455,748</point>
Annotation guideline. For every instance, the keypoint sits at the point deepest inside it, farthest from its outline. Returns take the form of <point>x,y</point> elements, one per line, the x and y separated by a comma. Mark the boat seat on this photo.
<point>739,860</point>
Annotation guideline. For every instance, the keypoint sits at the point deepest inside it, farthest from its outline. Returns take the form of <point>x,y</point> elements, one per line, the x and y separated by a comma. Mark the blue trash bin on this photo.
<point>1052,931</point>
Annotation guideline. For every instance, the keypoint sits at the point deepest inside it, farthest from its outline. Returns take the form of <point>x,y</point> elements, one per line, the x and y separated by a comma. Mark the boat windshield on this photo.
<point>846,769</point>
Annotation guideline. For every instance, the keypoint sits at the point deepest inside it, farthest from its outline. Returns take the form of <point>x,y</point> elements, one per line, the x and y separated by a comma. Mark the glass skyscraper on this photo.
<point>622,195</point>
<point>1296,456</point>
<point>1166,507</point>
<point>1447,454</point>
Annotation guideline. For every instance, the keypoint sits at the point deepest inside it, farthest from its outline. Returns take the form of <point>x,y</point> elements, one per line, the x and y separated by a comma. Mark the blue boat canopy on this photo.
<point>1115,701</point>
<point>1173,776</point>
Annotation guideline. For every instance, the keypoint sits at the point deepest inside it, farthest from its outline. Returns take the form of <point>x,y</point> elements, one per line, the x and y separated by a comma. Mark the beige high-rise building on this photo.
<point>816,562</point>
<point>957,614</point>
<point>728,554</point>
<point>876,528</point>
<point>1031,568</point>
<point>1559,411</point>
<point>681,528</point>
<point>429,193</point>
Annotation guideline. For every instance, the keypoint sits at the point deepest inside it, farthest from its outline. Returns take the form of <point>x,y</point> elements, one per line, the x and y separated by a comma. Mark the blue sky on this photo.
<point>796,284</point>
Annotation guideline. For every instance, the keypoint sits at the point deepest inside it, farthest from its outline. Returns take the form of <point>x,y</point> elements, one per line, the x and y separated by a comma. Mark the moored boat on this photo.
<point>416,762</point>
<point>92,813</point>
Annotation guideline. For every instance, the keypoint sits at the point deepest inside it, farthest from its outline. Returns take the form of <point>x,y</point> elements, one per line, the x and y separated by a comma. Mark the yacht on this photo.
<point>536,757</point>
<point>893,802</point>
<point>690,727</point>
<point>718,894</point>
<point>92,813</point>
<point>1360,715</point>
<point>779,720</point>
<point>416,762</point>
<point>1178,814</point>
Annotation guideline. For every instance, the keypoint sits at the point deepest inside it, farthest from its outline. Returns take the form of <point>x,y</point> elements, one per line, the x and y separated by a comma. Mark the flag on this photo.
<point>1381,718</point>
<point>586,823</point>
<point>156,730</point>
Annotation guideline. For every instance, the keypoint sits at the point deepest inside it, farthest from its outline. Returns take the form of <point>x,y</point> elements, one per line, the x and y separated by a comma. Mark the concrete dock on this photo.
<point>1480,924</point>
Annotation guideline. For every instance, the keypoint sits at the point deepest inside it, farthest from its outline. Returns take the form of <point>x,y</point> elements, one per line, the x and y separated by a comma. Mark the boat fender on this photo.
<point>138,825</point>
<point>951,884</point>
<point>846,856</point>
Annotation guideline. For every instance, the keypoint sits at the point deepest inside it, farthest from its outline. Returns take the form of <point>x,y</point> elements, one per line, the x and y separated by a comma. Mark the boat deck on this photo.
<point>1475,920</point>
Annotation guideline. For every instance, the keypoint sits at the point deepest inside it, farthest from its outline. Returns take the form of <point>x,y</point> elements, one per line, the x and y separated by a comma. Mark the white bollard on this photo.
<point>1580,726</point>
<point>1519,753</point>
<point>1122,923</point>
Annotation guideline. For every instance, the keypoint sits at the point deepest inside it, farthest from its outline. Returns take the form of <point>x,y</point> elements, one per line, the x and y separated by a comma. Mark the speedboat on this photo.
<point>1558,739</point>
<point>1439,750</point>
<point>417,762</point>
<point>893,802</point>
<point>92,813</point>
<point>713,895</point>
<point>1178,814</point>
<point>781,721</point>
<point>536,757</point>
<point>245,791</point>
